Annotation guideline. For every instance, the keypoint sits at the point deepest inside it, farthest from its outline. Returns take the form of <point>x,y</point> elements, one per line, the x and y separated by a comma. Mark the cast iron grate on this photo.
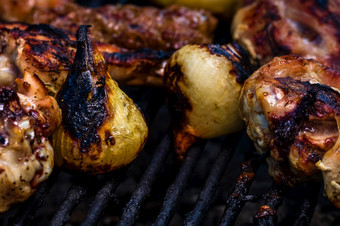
<point>212,163</point>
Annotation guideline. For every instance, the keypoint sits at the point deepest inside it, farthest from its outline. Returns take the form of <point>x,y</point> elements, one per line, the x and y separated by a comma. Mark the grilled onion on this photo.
<point>203,83</point>
<point>102,129</point>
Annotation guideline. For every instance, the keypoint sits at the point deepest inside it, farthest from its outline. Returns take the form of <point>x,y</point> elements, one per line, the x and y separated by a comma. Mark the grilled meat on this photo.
<point>127,26</point>
<point>268,28</point>
<point>202,77</point>
<point>291,107</point>
<point>49,53</point>
<point>28,115</point>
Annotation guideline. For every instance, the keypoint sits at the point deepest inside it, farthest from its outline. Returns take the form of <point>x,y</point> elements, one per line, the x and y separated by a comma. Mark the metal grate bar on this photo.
<point>176,189</point>
<point>73,198</point>
<point>205,198</point>
<point>132,208</point>
<point>28,208</point>
<point>240,192</point>
<point>267,213</point>
<point>308,205</point>
<point>103,196</point>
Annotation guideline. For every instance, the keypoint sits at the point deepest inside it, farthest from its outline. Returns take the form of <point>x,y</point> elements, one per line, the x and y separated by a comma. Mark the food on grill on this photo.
<point>268,28</point>
<point>27,118</point>
<point>291,107</point>
<point>13,10</point>
<point>49,52</point>
<point>127,26</point>
<point>225,8</point>
<point>102,129</point>
<point>203,83</point>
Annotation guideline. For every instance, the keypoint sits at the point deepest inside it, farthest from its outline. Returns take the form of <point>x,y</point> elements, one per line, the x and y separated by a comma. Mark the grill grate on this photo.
<point>239,195</point>
<point>205,198</point>
<point>176,189</point>
<point>102,191</point>
<point>144,188</point>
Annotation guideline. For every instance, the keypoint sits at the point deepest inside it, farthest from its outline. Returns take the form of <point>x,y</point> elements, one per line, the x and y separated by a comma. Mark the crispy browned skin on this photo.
<point>28,115</point>
<point>49,52</point>
<point>127,26</point>
<point>292,113</point>
<point>269,28</point>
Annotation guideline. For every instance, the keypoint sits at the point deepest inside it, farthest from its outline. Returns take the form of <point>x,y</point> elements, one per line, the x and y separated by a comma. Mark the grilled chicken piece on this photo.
<point>49,53</point>
<point>203,84</point>
<point>27,118</point>
<point>291,107</point>
<point>102,129</point>
<point>127,26</point>
<point>268,28</point>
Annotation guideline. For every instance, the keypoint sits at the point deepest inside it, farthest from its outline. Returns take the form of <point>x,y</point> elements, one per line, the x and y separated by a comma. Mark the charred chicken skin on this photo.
<point>291,107</point>
<point>48,52</point>
<point>127,26</point>
<point>268,28</point>
<point>28,115</point>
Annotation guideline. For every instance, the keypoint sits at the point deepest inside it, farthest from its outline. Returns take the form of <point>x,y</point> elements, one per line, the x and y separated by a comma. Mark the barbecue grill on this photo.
<point>221,181</point>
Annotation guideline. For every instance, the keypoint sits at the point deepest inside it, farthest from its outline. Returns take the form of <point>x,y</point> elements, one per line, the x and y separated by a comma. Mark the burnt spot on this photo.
<point>82,100</point>
<point>3,139</point>
<point>321,4</point>
<point>238,56</point>
<point>47,30</point>
<point>10,105</point>
<point>129,57</point>
<point>109,139</point>
<point>178,103</point>
<point>308,152</point>
<point>49,55</point>
<point>311,100</point>
<point>309,33</point>
<point>276,48</point>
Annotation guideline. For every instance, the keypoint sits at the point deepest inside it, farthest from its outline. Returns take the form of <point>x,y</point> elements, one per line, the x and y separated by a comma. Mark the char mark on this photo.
<point>10,104</point>
<point>48,31</point>
<point>323,4</point>
<point>82,100</point>
<point>124,58</point>
<point>238,56</point>
<point>179,103</point>
<point>318,100</point>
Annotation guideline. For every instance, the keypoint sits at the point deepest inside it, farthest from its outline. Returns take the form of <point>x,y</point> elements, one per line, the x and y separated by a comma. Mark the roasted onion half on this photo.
<point>291,107</point>
<point>203,84</point>
<point>102,129</point>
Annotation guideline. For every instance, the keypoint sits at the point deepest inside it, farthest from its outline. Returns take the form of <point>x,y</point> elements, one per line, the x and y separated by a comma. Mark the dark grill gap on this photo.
<point>205,198</point>
<point>176,189</point>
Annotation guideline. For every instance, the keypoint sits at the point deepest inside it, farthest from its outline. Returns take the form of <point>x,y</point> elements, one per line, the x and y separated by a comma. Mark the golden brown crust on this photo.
<point>27,118</point>
<point>290,112</point>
